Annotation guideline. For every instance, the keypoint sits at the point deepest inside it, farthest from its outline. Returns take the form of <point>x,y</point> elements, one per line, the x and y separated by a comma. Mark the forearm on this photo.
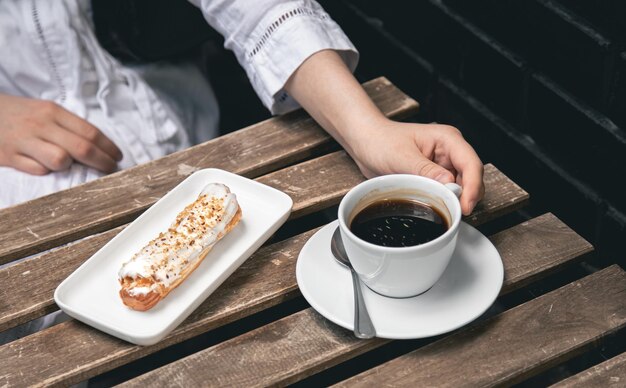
<point>324,86</point>
<point>328,91</point>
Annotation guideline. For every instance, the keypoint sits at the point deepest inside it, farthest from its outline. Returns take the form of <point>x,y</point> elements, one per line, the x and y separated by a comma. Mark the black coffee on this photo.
<point>398,223</point>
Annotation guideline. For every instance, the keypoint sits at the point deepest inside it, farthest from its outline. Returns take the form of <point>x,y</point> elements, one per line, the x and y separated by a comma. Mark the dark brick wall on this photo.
<point>537,86</point>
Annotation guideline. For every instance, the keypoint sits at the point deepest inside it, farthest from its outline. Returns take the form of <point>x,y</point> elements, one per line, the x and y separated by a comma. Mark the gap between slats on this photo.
<point>30,284</point>
<point>304,343</point>
<point>544,332</point>
<point>266,279</point>
<point>105,203</point>
<point>610,373</point>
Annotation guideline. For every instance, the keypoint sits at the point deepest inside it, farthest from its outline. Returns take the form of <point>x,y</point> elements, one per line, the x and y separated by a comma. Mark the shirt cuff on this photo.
<point>282,41</point>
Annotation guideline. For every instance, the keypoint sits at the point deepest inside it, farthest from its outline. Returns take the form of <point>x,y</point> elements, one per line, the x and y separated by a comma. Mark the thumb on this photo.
<point>429,169</point>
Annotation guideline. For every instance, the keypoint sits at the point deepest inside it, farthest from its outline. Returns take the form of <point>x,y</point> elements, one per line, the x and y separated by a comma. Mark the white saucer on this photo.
<point>467,288</point>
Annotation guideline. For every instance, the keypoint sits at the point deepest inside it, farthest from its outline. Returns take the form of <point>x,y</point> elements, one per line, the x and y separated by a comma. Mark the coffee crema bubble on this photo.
<point>399,223</point>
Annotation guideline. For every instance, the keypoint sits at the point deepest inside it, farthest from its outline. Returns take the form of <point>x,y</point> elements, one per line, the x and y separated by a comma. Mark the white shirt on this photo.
<point>48,51</point>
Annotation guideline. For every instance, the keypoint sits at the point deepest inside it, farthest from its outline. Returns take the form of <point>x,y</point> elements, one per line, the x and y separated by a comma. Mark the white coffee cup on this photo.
<point>401,272</point>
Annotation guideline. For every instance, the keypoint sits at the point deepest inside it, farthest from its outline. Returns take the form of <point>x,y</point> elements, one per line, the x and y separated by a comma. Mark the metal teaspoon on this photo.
<point>363,327</point>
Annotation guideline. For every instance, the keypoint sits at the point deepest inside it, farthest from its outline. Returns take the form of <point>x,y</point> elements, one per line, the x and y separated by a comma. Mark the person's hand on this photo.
<point>431,150</point>
<point>324,86</point>
<point>38,137</point>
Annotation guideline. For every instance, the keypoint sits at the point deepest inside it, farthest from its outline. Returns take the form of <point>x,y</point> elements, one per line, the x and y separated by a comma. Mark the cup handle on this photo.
<point>456,189</point>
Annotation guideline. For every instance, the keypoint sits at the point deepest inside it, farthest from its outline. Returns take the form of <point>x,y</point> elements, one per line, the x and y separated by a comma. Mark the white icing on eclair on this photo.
<point>196,228</point>
<point>141,290</point>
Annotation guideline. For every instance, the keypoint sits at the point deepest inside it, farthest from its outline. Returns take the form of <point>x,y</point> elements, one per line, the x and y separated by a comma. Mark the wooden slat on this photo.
<point>317,184</point>
<point>31,284</point>
<point>28,287</point>
<point>498,187</point>
<point>70,352</point>
<point>518,343</point>
<point>302,344</point>
<point>102,204</point>
<point>548,245</point>
<point>610,373</point>
<point>339,174</point>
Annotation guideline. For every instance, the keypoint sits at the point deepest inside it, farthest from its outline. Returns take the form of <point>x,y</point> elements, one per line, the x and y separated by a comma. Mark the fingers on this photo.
<point>51,156</point>
<point>470,174</point>
<point>80,149</point>
<point>473,188</point>
<point>92,135</point>
<point>425,167</point>
<point>38,136</point>
<point>28,165</point>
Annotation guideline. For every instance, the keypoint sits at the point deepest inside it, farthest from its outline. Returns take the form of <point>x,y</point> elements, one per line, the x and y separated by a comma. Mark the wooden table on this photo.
<point>293,154</point>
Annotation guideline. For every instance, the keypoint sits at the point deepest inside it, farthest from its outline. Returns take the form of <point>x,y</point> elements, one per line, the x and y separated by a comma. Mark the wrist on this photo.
<point>363,136</point>
<point>360,128</point>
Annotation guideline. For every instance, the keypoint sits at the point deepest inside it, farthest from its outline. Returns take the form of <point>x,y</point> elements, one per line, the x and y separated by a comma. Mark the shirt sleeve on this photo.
<point>272,38</point>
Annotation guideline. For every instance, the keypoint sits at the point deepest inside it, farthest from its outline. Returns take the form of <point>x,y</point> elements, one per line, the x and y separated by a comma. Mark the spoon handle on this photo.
<point>363,327</point>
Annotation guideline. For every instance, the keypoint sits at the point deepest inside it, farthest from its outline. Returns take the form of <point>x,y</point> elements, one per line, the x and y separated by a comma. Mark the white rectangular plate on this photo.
<point>91,293</point>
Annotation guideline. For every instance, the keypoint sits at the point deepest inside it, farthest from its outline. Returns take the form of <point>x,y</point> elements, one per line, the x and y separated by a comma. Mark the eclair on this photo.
<point>167,260</point>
